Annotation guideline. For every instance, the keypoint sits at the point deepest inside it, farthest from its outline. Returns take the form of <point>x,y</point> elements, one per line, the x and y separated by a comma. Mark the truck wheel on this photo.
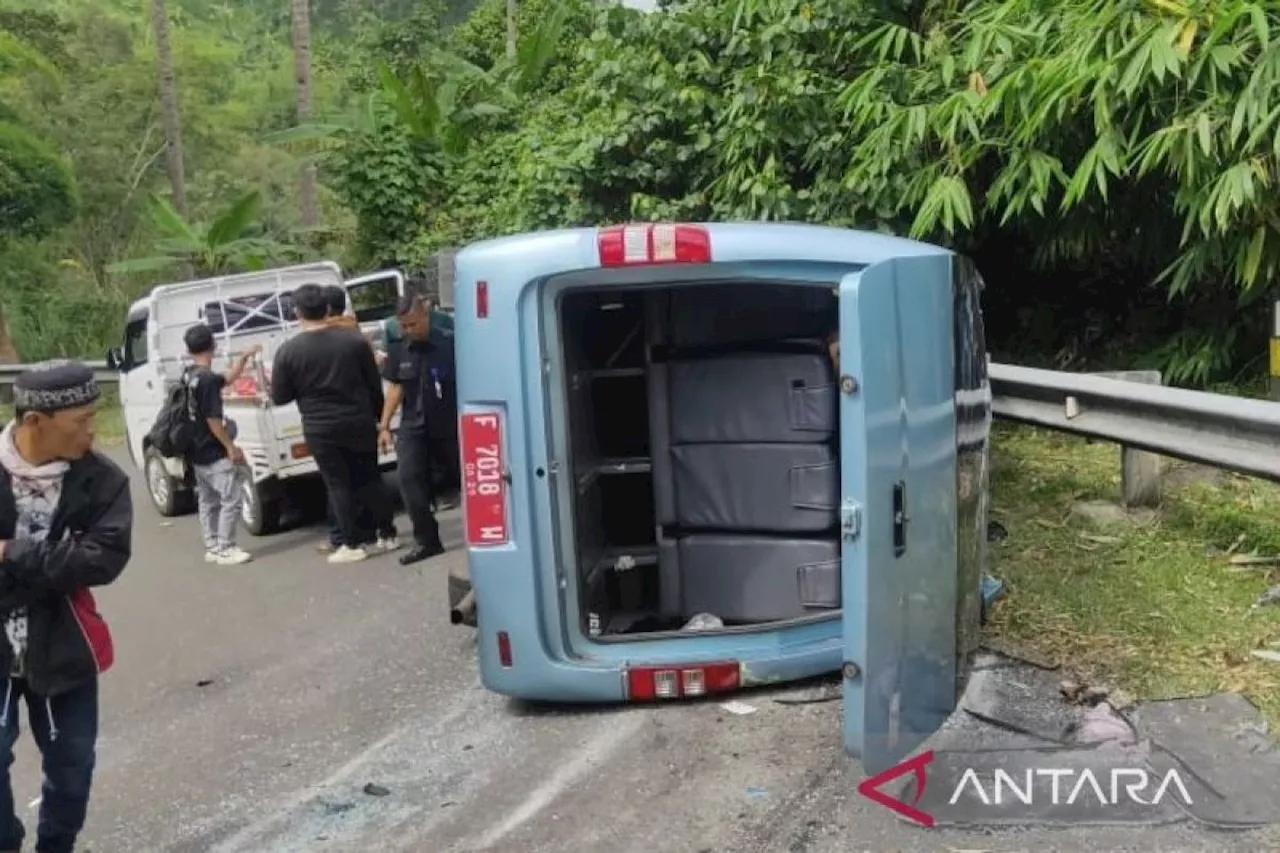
<point>262,506</point>
<point>168,494</point>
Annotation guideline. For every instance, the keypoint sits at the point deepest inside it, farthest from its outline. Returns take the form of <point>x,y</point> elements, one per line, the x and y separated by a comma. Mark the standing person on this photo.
<point>215,459</point>
<point>331,373</point>
<point>417,369</point>
<point>66,522</point>
<point>336,299</point>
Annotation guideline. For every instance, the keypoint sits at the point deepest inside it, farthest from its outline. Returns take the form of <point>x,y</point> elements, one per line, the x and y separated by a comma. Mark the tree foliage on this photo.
<point>98,114</point>
<point>37,193</point>
<point>229,243</point>
<point>1111,164</point>
<point>1110,160</point>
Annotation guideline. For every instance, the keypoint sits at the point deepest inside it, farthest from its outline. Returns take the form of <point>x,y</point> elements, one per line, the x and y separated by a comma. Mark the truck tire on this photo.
<point>170,496</point>
<point>460,593</point>
<point>262,506</point>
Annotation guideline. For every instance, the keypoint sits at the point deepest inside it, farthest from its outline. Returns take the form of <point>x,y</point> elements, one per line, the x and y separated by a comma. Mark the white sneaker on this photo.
<point>387,545</point>
<point>211,556</point>
<point>233,556</point>
<point>347,554</point>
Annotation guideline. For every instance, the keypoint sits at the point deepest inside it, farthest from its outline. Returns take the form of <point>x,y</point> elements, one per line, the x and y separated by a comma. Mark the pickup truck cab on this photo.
<point>242,310</point>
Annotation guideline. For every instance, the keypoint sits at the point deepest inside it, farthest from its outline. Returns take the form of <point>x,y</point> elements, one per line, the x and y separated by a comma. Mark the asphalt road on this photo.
<point>251,706</point>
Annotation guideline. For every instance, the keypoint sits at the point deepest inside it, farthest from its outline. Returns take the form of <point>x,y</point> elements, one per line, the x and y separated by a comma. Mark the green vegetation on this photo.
<point>1155,607</point>
<point>83,148</point>
<point>1111,164</point>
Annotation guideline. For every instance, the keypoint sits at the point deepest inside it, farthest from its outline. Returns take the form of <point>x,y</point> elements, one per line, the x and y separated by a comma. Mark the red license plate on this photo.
<point>484,485</point>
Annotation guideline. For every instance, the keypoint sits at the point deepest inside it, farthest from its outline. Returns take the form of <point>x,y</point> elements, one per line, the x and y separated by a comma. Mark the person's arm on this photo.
<point>242,360</point>
<point>394,395</point>
<point>282,389</point>
<point>94,558</point>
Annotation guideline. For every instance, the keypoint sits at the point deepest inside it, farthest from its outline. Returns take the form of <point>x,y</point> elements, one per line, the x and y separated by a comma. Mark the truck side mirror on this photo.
<point>115,359</point>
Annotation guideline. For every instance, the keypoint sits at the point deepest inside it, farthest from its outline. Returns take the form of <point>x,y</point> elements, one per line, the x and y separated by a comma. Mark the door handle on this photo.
<point>900,519</point>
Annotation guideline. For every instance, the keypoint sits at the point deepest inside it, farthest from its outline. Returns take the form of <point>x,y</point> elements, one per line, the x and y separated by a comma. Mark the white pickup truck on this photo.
<point>242,310</point>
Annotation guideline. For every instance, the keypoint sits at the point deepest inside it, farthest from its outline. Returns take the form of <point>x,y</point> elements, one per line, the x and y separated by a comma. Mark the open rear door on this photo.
<point>897,427</point>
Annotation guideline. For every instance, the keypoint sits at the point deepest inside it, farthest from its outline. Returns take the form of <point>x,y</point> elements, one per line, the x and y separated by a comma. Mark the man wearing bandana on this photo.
<point>66,521</point>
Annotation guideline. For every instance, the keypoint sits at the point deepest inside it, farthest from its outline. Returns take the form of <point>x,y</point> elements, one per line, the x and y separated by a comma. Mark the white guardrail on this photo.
<point>1232,433</point>
<point>104,374</point>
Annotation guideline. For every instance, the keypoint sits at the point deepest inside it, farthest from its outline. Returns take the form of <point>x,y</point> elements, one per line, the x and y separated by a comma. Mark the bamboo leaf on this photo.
<point>1204,131</point>
<point>1187,37</point>
<point>1253,256</point>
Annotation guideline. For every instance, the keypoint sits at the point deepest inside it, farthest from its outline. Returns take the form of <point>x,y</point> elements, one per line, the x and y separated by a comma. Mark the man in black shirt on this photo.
<point>330,371</point>
<point>214,457</point>
<point>336,297</point>
<point>417,369</point>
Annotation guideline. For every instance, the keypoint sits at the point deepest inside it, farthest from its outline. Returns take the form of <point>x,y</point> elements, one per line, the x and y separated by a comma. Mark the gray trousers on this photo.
<point>218,495</point>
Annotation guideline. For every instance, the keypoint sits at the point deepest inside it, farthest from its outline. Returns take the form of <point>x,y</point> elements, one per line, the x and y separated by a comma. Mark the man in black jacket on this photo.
<point>419,373</point>
<point>66,521</point>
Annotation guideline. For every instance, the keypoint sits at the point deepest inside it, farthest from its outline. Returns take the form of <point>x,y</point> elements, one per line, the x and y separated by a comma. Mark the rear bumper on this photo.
<point>777,656</point>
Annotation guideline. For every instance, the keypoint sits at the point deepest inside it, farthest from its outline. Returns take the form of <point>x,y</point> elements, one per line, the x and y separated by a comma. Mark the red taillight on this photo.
<point>654,243</point>
<point>646,683</point>
<point>504,649</point>
<point>482,299</point>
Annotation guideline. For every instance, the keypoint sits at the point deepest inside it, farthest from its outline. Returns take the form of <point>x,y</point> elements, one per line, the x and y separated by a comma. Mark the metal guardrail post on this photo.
<point>1274,360</point>
<point>1139,469</point>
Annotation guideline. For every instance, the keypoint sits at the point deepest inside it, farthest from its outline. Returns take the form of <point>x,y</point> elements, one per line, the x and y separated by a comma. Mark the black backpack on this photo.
<point>174,431</point>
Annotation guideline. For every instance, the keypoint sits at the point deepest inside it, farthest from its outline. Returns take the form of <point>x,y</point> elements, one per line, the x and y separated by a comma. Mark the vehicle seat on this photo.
<point>746,482</point>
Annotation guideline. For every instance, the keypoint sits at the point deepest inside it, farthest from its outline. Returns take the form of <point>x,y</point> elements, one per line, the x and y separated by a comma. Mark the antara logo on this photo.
<point>1061,786</point>
<point>870,788</point>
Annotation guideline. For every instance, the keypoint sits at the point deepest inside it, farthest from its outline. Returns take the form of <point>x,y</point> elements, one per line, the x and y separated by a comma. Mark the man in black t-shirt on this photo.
<point>418,371</point>
<point>331,373</point>
<point>336,297</point>
<point>215,459</point>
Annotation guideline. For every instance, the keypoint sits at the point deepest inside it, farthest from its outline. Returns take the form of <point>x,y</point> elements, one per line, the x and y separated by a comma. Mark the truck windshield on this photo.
<point>135,343</point>
<point>374,300</point>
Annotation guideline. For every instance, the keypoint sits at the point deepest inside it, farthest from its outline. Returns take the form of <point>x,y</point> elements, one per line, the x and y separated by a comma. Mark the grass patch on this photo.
<point>1152,608</point>
<point>110,421</point>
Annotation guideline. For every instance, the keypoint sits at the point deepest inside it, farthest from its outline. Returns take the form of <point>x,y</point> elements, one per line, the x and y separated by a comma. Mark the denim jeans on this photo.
<point>65,727</point>
<point>218,497</point>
